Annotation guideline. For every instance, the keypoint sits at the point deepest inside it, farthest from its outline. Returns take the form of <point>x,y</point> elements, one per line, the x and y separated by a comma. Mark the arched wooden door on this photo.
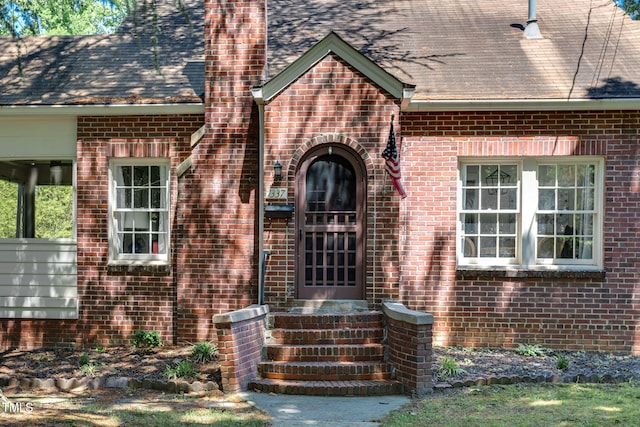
<point>330,224</point>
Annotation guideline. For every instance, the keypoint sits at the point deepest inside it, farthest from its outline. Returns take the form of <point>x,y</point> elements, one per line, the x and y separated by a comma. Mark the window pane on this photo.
<point>488,247</point>
<point>507,223</point>
<point>585,199</point>
<point>546,200</point>
<point>489,199</point>
<point>472,177</point>
<point>509,198</point>
<point>584,248</point>
<point>123,176</point>
<point>566,199</point>
<point>488,223</point>
<point>507,247</point>
<point>141,198</point>
<point>546,247</point>
<point>470,244</point>
<point>566,176</point>
<point>564,224</point>
<point>545,224</point>
<point>584,225</point>
<point>155,176</point>
<point>471,198</point>
<point>547,175</point>
<point>470,223</point>
<point>141,175</point>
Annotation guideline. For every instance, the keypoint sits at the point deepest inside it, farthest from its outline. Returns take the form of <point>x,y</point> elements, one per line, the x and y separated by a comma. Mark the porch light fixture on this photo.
<point>277,171</point>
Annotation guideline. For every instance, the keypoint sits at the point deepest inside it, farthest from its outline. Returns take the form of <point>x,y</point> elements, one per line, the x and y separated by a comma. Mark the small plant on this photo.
<point>84,359</point>
<point>532,350</point>
<point>146,339</point>
<point>562,362</point>
<point>449,368</point>
<point>100,349</point>
<point>204,352</point>
<point>184,369</point>
<point>88,369</point>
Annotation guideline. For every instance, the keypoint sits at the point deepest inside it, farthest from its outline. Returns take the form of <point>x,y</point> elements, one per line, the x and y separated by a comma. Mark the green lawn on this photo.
<point>526,405</point>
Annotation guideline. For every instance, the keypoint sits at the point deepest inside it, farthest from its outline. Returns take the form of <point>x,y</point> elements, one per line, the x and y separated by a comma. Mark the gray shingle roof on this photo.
<point>475,50</point>
<point>125,67</point>
<point>451,50</point>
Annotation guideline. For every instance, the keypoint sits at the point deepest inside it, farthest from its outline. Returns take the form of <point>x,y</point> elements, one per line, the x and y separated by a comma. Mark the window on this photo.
<point>140,211</point>
<point>36,199</point>
<point>533,212</point>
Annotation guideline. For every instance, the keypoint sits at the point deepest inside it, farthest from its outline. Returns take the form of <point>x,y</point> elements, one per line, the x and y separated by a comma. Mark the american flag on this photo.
<point>392,164</point>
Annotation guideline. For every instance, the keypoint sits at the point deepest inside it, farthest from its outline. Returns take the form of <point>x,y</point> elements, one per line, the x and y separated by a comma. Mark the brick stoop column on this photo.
<point>409,339</point>
<point>240,341</point>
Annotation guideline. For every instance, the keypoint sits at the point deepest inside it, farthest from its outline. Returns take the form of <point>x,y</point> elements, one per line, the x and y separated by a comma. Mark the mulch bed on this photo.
<point>480,366</point>
<point>134,368</point>
<point>121,366</point>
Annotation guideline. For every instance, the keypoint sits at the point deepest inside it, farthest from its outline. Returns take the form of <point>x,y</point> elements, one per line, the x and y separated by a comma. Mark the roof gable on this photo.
<point>332,43</point>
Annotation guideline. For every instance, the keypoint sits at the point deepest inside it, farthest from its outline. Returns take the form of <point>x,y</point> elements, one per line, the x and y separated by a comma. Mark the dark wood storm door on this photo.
<point>330,205</point>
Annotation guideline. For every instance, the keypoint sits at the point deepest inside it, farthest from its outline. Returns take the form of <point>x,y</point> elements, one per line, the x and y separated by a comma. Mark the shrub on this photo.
<point>204,352</point>
<point>532,350</point>
<point>146,339</point>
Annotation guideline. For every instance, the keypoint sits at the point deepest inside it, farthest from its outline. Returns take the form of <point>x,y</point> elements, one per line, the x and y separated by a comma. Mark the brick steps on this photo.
<point>328,371</point>
<point>327,388</point>
<point>326,354</point>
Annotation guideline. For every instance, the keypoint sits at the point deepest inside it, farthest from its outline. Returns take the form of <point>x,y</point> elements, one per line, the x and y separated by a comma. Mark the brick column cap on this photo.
<point>398,311</point>
<point>248,313</point>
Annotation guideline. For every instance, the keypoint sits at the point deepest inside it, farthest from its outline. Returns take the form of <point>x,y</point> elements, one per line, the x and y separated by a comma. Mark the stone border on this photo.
<point>553,379</point>
<point>86,383</point>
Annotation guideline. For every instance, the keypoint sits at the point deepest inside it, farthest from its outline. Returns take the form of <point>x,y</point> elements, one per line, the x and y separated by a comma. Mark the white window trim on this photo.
<point>526,243</point>
<point>115,256</point>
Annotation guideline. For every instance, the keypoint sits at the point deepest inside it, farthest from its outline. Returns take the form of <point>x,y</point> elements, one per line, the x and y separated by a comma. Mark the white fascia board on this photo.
<point>417,105</point>
<point>331,43</point>
<point>101,110</point>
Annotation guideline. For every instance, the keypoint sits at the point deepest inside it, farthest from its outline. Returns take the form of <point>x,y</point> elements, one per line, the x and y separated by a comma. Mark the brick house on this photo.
<point>518,144</point>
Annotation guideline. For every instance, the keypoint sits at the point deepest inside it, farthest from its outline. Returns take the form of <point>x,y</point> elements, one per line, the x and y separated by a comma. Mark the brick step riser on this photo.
<point>327,388</point>
<point>333,372</point>
<point>328,336</point>
<point>327,321</point>
<point>356,353</point>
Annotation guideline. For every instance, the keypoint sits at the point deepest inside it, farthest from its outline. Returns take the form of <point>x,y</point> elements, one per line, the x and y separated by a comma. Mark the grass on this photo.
<point>526,405</point>
<point>118,409</point>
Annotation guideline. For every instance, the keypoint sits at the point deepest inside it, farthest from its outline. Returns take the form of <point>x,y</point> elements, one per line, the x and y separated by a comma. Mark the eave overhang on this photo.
<point>418,105</point>
<point>332,43</point>
<point>101,110</point>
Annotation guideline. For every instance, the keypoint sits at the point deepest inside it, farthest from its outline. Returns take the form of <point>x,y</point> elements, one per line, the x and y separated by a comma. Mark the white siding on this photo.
<point>38,279</point>
<point>36,137</point>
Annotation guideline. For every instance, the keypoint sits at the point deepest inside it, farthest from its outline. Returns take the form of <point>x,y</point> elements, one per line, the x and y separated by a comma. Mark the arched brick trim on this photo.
<point>329,138</point>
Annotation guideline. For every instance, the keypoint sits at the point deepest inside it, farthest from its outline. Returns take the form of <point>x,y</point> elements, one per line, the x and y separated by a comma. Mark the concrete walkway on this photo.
<point>293,411</point>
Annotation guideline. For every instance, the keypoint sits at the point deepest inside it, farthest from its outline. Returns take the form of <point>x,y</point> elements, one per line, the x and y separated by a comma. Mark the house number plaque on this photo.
<point>277,193</point>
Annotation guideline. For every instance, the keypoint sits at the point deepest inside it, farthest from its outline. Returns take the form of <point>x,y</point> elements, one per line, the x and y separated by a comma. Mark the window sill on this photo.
<point>138,266</point>
<point>463,272</point>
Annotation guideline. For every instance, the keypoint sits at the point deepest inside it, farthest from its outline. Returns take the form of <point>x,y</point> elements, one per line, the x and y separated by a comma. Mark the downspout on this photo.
<point>262,257</point>
<point>258,98</point>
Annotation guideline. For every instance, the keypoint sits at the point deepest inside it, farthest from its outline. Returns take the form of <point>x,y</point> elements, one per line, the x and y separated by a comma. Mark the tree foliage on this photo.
<point>61,17</point>
<point>631,7</point>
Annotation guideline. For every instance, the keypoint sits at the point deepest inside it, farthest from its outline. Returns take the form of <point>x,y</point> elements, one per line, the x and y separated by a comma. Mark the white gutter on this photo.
<point>100,110</point>
<point>418,105</point>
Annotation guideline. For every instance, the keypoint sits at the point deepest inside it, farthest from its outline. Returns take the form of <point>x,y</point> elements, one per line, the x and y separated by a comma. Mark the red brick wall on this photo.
<point>332,104</point>
<point>113,300</point>
<point>411,243</point>
<point>575,311</point>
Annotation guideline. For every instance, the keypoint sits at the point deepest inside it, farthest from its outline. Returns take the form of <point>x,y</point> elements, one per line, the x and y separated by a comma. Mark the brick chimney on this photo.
<point>235,41</point>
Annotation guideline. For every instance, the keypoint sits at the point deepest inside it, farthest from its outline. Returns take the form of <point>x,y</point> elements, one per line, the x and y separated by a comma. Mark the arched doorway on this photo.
<point>330,224</point>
